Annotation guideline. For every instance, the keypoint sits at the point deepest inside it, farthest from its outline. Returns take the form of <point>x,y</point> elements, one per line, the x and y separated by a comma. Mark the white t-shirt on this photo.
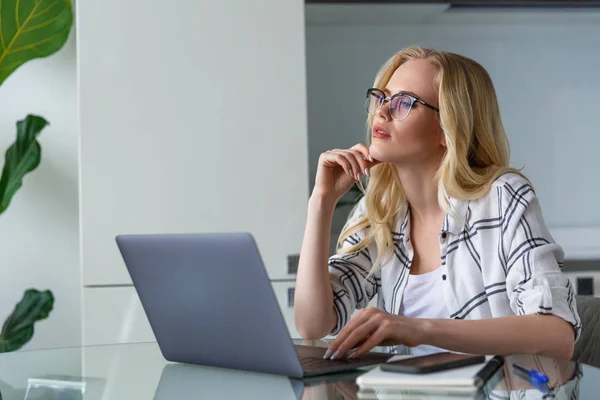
<point>424,298</point>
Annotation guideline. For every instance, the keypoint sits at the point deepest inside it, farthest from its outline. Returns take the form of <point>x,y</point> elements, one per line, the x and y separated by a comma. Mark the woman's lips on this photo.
<point>379,132</point>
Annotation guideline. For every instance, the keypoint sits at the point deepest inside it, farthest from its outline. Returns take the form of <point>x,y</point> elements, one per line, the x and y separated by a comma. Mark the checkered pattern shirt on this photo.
<point>498,256</point>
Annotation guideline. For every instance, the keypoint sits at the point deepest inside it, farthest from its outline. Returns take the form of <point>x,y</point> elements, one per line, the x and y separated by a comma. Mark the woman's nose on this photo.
<point>384,111</point>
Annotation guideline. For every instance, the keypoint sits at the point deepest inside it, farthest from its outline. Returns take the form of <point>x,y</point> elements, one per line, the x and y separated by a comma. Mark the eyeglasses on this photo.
<point>400,103</point>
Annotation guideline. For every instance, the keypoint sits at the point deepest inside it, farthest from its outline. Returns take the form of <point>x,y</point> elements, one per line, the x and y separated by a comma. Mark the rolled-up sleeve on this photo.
<point>535,283</point>
<point>349,273</point>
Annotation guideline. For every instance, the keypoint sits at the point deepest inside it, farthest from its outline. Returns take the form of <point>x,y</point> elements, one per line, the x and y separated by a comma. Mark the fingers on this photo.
<point>362,149</point>
<point>355,161</point>
<point>362,161</point>
<point>374,340</point>
<point>355,322</point>
<point>330,158</point>
<point>342,338</point>
<point>356,339</point>
<point>366,153</point>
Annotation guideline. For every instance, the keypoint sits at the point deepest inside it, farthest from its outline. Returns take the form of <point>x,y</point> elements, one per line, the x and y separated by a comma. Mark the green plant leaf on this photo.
<point>31,29</point>
<point>18,328</point>
<point>22,156</point>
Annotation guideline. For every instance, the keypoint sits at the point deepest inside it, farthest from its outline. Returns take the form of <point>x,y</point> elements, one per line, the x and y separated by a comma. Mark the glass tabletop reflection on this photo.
<point>139,371</point>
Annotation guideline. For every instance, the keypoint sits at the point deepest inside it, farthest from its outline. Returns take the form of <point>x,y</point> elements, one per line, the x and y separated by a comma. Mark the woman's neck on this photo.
<point>421,193</point>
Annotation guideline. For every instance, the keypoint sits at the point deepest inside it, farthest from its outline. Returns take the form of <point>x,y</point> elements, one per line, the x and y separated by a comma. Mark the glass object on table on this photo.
<point>62,387</point>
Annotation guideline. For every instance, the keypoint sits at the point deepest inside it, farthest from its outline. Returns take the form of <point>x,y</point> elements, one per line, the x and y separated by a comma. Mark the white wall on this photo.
<point>193,119</point>
<point>544,65</point>
<point>197,127</point>
<point>39,232</point>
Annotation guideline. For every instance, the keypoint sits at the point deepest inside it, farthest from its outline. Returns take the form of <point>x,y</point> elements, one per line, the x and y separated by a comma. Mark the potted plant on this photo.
<point>29,29</point>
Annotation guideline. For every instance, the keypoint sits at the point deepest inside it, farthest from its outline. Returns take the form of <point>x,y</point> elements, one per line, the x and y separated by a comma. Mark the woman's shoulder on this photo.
<point>506,186</point>
<point>511,180</point>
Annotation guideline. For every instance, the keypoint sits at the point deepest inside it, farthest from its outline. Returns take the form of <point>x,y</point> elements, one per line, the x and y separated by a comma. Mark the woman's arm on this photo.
<point>314,304</point>
<point>524,334</point>
<point>313,301</point>
<point>329,290</point>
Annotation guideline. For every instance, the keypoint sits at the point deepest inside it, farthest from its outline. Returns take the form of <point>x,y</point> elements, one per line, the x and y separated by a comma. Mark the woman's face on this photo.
<point>418,138</point>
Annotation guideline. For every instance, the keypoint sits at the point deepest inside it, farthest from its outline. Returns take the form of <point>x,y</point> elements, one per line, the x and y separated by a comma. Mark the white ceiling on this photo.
<point>392,14</point>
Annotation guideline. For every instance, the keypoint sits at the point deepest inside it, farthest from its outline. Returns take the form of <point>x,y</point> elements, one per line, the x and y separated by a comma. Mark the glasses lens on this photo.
<point>400,106</point>
<point>374,101</point>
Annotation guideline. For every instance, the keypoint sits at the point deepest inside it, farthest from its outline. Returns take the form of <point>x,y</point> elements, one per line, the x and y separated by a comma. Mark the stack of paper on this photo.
<point>455,384</point>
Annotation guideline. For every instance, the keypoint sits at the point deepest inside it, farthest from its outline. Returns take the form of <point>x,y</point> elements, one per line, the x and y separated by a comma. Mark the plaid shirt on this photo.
<point>498,256</point>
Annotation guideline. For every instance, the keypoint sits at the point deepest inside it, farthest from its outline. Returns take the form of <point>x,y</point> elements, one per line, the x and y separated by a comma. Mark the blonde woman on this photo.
<point>449,238</point>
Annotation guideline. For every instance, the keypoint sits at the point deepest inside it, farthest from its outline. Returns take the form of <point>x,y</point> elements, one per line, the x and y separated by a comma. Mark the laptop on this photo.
<point>209,302</point>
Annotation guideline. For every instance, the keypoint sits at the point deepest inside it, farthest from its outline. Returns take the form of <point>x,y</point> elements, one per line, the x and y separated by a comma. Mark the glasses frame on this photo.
<point>389,99</point>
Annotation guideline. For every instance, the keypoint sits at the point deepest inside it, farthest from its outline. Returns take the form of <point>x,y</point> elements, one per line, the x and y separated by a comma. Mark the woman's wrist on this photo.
<point>424,330</point>
<point>412,332</point>
<point>322,201</point>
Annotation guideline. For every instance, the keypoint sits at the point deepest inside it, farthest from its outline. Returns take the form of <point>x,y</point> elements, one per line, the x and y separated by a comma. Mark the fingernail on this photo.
<point>351,353</point>
<point>367,172</point>
<point>370,158</point>
<point>327,354</point>
<point>335,355</point>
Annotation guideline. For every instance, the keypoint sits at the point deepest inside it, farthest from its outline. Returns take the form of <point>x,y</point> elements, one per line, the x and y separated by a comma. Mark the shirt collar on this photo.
<point>455,221</point>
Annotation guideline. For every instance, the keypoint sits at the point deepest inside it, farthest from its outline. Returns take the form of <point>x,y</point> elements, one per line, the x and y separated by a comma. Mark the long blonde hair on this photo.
<point>477,149</point>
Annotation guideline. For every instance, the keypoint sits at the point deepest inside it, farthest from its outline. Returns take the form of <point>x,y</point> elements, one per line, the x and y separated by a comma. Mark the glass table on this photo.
<point>138,371</point>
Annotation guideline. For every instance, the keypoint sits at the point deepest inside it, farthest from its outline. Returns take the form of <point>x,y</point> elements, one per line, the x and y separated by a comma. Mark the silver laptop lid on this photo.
<point>209,301</point>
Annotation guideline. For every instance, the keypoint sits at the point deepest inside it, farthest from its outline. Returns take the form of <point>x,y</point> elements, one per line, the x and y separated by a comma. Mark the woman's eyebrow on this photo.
<point>387,92</point>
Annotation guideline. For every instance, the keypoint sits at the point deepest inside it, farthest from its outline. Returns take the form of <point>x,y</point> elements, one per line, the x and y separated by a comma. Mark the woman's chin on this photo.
<point>380,154</point>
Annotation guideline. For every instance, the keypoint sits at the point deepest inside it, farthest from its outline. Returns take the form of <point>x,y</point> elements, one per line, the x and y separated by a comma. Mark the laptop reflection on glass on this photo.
<point>181,381</point>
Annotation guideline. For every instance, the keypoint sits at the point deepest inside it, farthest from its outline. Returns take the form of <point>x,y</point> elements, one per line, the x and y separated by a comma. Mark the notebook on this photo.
<point>459,381</point>
<point>413,394</point>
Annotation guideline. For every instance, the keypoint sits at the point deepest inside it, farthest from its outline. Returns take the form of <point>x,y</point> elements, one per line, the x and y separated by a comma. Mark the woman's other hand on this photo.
<point>339,169</point>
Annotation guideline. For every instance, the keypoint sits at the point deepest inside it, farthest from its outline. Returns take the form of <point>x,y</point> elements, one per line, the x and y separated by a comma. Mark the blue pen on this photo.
<point>537,379</point>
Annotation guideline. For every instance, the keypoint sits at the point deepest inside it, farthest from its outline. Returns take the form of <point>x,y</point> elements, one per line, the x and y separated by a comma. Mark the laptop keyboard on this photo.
<point>314,363</point>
